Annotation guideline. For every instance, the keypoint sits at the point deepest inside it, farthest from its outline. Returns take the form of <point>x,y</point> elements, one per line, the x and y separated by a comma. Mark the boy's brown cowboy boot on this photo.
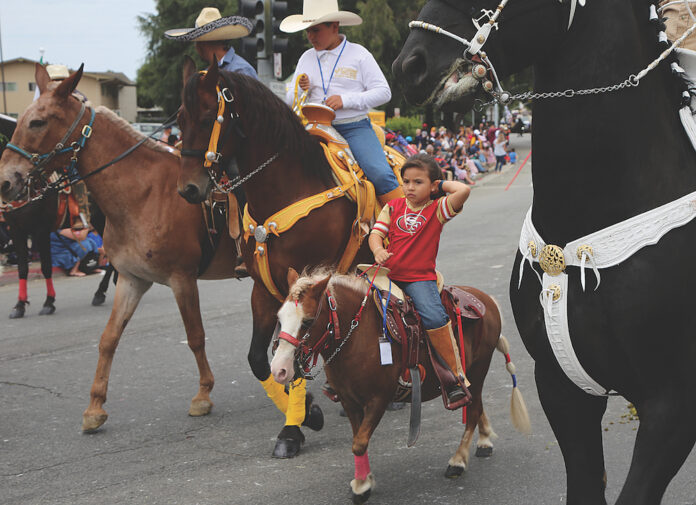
<point>455,391</point>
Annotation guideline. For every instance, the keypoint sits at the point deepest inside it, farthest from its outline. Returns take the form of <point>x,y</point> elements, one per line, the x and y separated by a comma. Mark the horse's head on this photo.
<point>436,68</point>
<point>43,136</point>
<point>298,314</point>
<point>205,119</point>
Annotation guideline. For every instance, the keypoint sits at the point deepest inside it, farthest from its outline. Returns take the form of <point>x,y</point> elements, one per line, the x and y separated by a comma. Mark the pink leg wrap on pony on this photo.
<point>362,466</point>
<point>23,290</point>
<point>49,288</point>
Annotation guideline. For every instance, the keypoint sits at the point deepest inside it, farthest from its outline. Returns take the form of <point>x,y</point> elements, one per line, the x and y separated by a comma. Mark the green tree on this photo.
<point>159,78</point>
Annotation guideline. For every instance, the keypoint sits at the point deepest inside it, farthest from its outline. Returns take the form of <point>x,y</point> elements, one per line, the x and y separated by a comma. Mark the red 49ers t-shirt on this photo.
<point>414,237</point>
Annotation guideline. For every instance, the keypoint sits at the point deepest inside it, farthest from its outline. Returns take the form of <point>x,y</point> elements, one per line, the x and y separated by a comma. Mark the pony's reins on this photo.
<point>480,71</point>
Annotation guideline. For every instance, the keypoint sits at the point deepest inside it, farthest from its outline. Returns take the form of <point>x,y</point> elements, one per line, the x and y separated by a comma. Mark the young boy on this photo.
<point>413,225</point>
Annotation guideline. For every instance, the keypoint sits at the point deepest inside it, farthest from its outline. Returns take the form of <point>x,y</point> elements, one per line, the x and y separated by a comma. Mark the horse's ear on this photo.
<point>318,288</point>
<point>189,68</point>
<point>292,277</point>
<point>211,77</point>
<point>41,76</point>
<point>66,87</point>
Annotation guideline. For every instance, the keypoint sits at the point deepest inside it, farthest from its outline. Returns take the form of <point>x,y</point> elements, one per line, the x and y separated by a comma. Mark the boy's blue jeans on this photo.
<point>426,298</point>
<point>369,154</point>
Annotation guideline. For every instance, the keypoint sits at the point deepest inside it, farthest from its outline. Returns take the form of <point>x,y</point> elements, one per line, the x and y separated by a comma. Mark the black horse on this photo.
<point>599,159</point>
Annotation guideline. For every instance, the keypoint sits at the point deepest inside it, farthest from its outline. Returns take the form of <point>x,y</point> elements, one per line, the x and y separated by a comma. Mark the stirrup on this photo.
<point>329,392</point>
<point>457,398</point>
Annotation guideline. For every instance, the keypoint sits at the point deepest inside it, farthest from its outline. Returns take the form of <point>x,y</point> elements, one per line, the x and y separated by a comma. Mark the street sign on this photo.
<point>278,65</point>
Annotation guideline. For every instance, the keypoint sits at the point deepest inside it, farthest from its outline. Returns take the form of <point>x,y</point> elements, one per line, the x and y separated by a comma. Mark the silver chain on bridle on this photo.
<point>228,187</point>
<point>481,70</point>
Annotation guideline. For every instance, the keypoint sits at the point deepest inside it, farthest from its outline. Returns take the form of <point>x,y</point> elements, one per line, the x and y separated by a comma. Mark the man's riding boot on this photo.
<point>455,391</point>
<point>387,197</point>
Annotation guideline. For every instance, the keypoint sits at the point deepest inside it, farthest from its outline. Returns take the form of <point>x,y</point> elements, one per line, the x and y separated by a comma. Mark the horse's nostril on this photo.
<point>415,67</point>
<point>5,188</point>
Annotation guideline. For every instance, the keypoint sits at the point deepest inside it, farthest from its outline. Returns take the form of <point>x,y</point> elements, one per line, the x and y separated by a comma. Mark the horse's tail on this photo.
<point>518,408</point>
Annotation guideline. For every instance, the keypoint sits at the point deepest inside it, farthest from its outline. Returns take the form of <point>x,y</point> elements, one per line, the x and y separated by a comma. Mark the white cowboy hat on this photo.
<point>56,72</point>
<point>315,12</point>
<point>210,25</point>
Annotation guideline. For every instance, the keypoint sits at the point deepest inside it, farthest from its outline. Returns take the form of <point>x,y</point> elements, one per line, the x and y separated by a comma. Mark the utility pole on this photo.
<point>2,71</point>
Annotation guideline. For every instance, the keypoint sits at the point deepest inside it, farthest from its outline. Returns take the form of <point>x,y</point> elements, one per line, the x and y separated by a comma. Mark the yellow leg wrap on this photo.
<point>276,392</point>
<point>296,403</point>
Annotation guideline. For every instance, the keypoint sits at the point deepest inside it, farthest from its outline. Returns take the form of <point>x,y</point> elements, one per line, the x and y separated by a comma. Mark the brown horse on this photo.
<point>281,164</point>
<point>353,367</point>
<point>151,235</point>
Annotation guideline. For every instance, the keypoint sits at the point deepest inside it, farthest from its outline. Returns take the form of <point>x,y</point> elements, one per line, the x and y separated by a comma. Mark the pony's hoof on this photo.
<point>99,298</point>
<point>200,408</point>
<point>289,443</point>
<point>90,423</point>
<point>48,308</point>
<point>362,489</point>
<point>453,472</point>
<point>362,498</point>
<point>314,417</point>
<point>484,452</point>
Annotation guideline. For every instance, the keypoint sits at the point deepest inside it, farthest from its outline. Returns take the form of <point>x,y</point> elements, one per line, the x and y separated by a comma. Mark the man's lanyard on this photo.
<point>321,72</point>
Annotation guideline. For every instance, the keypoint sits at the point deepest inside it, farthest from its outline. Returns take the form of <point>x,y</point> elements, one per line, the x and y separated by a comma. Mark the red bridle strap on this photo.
<point>289,338</point>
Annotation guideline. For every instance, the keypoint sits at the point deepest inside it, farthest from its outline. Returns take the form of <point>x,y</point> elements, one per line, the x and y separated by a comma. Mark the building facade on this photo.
<point>110,89</point>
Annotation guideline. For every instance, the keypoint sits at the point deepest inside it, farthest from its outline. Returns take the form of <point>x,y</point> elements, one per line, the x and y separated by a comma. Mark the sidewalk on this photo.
<point>8,273</point>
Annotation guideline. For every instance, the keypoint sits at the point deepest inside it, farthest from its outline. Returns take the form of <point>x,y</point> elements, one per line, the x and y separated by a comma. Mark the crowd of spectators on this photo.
<point>463,155</point>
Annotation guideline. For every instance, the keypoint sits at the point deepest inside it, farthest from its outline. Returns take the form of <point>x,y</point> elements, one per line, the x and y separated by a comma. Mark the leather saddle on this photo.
<point>405,328</point>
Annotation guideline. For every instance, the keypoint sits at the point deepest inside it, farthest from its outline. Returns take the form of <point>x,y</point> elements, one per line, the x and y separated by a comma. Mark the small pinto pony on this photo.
<point>353,368</point>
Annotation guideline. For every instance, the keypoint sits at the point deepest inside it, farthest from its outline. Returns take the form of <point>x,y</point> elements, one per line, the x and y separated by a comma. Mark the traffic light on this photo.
<point>279,10</point>
<point>254,46</point>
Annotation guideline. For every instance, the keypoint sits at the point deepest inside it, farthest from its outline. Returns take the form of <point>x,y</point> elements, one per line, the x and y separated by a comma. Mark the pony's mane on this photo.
<point>265,116</point>
<point>312,275</point>
<point>125,126</point>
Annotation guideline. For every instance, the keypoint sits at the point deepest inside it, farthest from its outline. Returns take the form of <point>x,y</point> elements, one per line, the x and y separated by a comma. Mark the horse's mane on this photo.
<point>265,116</point>
<point>125,126</point>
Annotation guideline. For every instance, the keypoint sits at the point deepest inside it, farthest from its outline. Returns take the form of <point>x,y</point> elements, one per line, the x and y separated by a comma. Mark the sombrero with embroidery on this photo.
<point>315,12</point>
<point>56,72</point>
<point>210,25</point>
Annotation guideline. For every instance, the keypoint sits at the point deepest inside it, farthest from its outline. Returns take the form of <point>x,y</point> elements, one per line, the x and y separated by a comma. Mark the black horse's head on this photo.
<point>434,68</point>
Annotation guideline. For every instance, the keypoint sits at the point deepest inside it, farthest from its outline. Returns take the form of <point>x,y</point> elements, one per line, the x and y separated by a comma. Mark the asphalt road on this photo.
<point>151,452</point>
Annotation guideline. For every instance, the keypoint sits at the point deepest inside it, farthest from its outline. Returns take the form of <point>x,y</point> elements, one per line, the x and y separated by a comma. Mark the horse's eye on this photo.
<point>307,321</point>
<point>37,123</point>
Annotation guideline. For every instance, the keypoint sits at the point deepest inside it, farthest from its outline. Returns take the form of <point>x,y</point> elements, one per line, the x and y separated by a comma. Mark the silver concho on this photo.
<point>260,234</point>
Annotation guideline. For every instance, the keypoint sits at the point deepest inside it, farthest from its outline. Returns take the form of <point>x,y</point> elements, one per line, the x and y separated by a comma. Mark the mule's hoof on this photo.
<point>91,423</point>
<point>314,417</point>
<point>200,408</point>
<point>18,310</point>
<point>99,298</point>
<point>453,472</point>
<point>484,452</point>
<point>289,443</point>
<point>396,406</point>
<point>362,498</point>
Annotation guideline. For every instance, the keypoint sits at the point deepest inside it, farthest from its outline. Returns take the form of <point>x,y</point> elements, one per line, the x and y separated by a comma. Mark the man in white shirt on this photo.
<point>345,77</point>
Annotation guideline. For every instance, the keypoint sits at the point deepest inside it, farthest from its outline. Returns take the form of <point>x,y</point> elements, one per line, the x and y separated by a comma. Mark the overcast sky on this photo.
<point>101,33</point>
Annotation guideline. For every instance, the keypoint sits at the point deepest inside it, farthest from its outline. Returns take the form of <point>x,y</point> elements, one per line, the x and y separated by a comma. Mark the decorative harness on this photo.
<point>602,249</point>
<point>284,219</point>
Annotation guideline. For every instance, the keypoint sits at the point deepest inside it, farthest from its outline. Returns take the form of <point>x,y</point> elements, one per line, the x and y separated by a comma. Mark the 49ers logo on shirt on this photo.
<point>410,223</point>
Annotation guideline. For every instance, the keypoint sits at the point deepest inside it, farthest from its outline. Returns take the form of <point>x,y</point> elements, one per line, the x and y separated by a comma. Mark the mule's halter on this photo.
<point>41,160</point>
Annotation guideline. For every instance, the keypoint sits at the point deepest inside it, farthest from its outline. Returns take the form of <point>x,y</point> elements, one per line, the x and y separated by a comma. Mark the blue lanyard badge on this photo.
<point>321,72</point>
